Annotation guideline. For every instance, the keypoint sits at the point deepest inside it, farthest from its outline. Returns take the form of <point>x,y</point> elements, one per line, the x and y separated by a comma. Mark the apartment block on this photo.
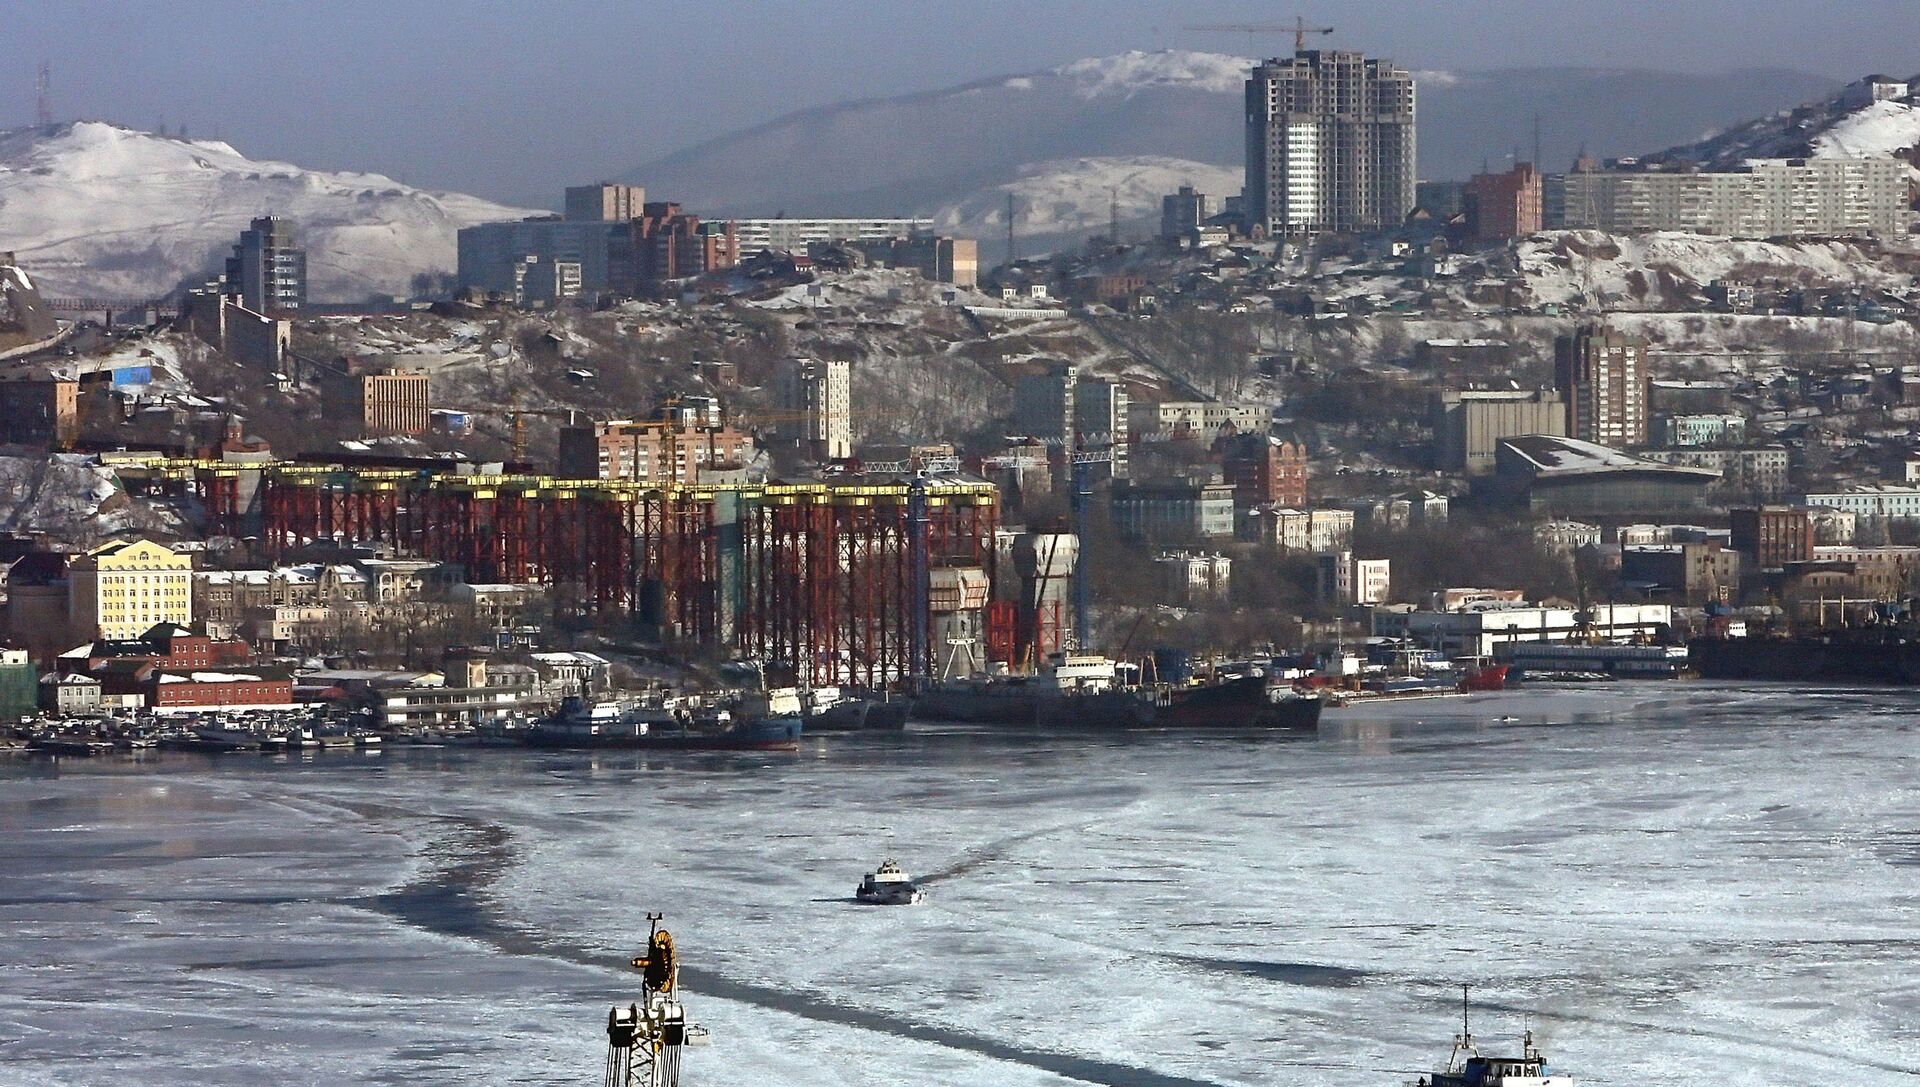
<point>1330,144</point>
<point>1764,198</point>
<point>816,402</point>
<point>120,590</point>
<point>1604,378</point>
<point>605,202</point>
<point>794,235</point>
<point>268,270</point>
<point>1506,205</point>
<point>657,451</point>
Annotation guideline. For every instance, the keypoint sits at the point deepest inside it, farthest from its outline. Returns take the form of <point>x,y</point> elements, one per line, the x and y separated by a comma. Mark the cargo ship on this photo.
<point>763,722</point>
<point>1873,655</point>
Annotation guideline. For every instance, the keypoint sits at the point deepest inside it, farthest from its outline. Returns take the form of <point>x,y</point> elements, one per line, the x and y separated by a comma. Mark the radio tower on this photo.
<point>42,107</point>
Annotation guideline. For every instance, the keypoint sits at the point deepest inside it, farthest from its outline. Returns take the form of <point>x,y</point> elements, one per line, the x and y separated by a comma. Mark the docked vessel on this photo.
<point>1878,655</point>
<point>888,885</point>
<point>1245,702</point>
<point>1468,1067</point>
<point>832,709</point>
<point>64,744</point>
<point>770,721</point>
<point>1010,699</point>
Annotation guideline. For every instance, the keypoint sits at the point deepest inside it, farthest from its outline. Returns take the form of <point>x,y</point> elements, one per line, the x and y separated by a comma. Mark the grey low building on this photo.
<point>1172,509</point>
<point>1569,476</point>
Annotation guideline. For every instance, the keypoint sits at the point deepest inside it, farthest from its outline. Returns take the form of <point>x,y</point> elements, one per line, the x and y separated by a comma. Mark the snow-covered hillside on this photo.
<point>940,150</point>
<point>1068,196</point>
<point>96,210</point>
<point>1665,269</point>
<point>1830,127</point>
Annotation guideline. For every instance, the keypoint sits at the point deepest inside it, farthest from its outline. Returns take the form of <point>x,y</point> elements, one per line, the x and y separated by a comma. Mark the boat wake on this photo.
<point>452,898</point>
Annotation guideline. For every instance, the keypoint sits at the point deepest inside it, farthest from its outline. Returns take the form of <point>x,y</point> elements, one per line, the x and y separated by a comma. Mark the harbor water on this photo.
<point>1670,883</point>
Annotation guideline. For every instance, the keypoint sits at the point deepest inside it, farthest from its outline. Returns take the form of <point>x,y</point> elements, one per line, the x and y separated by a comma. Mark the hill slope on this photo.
<point>95,210</point>
<point>1825,127</point>
<point>950,153</point>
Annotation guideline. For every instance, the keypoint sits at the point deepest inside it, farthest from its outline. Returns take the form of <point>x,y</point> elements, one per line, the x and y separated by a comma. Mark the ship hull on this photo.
<point>1236,704</point>
<point>1808,660</point>
<point>764,734</point>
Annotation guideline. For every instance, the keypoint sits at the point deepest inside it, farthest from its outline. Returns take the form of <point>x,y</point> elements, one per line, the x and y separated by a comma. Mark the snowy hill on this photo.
<point>953,153</point>
<point>95,210</point>
<point>1828,127</point>
<point>1667,270</point>
<point>1069,198</point>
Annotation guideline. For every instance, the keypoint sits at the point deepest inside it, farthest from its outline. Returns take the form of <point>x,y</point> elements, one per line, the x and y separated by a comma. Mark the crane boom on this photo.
<point>1299,30</point>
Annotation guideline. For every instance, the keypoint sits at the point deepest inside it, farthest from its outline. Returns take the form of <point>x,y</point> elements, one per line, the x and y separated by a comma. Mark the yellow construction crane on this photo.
<point>1299,30</point>
<point>517,423</point>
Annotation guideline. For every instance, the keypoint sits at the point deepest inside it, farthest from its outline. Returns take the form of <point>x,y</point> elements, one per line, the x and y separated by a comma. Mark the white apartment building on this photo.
<point>794,235</point>
<point>816,396</point>
<point>1763,199</point>
<point>1871,500</point>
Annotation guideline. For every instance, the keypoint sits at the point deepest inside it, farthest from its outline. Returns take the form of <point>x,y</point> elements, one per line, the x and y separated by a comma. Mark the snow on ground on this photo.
<point>71,499</point>
<point>1128,73</point>
<point>1566,265</point>
<point>96,210</point>
<point>1061,196</point>
<point>1666,881</point>
<point>1883,128</point>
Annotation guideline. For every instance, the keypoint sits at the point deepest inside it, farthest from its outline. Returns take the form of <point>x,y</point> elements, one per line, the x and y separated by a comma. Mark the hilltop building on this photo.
<point>1763,198</point>
<point>1330,144</point>
<point>268,271</point>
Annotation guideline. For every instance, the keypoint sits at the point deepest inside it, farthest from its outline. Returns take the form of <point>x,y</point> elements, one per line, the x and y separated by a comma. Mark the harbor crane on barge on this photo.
<point>644,1039</point>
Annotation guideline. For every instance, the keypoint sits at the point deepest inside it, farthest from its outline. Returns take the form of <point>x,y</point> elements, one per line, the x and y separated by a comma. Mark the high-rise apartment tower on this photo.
<point>1330,144</point>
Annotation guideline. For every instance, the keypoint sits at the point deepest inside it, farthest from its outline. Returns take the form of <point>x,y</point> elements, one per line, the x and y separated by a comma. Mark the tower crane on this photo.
<point>1299,30</point>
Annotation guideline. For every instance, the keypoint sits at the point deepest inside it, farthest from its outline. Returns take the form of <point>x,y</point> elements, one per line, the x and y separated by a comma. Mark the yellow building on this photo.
<point>121,589</point>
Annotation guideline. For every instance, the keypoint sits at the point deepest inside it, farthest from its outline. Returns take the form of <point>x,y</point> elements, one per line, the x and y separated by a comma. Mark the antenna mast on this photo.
<point>1113,216</point>
<point>43,106</point>
<point>1009,228</point>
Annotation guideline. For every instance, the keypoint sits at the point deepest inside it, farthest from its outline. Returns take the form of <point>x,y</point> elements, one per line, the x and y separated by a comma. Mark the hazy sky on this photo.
<point>510,99</point>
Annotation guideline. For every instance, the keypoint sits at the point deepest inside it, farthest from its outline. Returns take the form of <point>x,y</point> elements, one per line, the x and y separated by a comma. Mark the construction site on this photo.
<point>864,582</point>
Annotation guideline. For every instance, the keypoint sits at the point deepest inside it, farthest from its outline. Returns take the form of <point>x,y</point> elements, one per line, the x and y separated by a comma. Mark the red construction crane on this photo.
<point>1299,30</point>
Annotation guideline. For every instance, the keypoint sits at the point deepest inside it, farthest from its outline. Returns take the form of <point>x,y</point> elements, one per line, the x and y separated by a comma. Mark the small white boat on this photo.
<point>888,885</point>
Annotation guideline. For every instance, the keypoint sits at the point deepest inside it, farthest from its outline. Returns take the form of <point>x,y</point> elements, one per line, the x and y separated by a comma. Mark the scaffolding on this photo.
<point>826,582</point>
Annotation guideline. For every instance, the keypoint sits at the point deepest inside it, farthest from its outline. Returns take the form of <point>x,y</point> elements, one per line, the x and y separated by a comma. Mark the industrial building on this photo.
<point>821,581</point>
<point>1469,423</point>
<point>1330,144</point>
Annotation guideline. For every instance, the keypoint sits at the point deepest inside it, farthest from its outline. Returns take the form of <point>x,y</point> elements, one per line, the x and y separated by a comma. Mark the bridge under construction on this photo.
<point>837,582</point>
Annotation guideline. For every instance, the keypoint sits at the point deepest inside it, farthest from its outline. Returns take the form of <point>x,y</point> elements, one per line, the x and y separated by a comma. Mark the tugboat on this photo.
<point>888,885</point>
<point>1467,1068</point>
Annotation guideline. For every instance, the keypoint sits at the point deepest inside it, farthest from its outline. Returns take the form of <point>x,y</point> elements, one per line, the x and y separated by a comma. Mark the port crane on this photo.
<point>644,1039</point>
<point>1299,30</point>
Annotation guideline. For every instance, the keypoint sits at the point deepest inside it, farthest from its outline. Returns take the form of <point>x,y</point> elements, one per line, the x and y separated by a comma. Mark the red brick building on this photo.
<point>1265,470</point>
<point>1772,536</point>
<point>253,688</point>
<point>668,244</point>
<point>1502,206</point>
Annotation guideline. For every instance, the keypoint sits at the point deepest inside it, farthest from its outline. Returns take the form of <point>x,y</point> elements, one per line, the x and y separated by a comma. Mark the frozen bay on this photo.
<point>1669,883</point>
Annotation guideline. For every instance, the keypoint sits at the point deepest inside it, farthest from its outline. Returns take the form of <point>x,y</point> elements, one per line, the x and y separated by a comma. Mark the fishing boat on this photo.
<point>888,885</point>
<point>1468,1067</point>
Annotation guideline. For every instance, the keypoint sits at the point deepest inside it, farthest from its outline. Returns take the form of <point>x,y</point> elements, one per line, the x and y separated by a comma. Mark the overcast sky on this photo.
<point>506,98</point>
